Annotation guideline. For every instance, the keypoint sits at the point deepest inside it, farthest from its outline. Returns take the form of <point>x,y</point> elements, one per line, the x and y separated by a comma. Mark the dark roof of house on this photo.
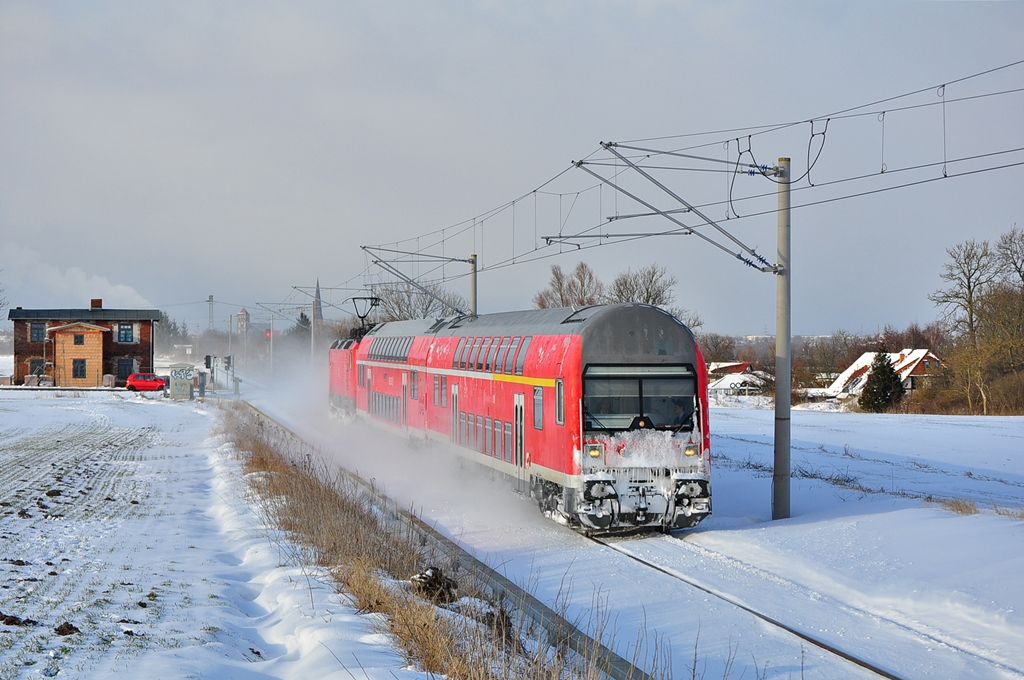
<point>85,314</point>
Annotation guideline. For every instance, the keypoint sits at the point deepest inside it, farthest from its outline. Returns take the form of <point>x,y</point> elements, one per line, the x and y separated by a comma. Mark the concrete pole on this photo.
<point>472,284</point>
<point>783,349</point>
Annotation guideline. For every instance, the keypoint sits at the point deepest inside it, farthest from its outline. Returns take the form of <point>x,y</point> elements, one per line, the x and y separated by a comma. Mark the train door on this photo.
<point>518,446</point>
<point>455,412</point>
<point>405,399</point>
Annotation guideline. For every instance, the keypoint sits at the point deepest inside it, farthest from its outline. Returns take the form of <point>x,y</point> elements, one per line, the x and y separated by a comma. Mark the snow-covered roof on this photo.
<point>729,367</point>
<point>906,362</point>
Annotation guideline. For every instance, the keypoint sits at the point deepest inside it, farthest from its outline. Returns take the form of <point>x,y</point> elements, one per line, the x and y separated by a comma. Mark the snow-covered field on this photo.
<point>865,563</point>
<point>120,515</point>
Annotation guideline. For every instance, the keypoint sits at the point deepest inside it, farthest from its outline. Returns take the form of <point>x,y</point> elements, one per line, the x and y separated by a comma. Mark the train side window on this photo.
<point>511,356</point>
<point>498,441</point>
<point>444,391</point>
<point>508,443</point>
<point>361,374</point>
<point>488,446</point>
<point>502,350</point>
<point>414,390</point>
<point>480,433</point>
<point>559,402</point>
<point>481,358</point>
<point>437,389</point>
<point>471,365</point>
<point>466,349</point>
<point>462,428</point>
<point>489,364</point>
<point>538,408</point>
<point>521,357</point>
<point>458,351</point>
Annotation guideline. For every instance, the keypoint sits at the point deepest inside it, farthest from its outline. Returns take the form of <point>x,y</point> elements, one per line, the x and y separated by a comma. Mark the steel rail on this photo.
<point>806,637</point>
<point>559,630</point>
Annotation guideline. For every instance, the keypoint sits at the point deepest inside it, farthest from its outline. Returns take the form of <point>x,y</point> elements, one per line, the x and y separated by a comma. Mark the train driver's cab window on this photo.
<point>620,397</point>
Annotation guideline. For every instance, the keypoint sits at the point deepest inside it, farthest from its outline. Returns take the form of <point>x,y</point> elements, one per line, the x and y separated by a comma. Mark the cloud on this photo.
<point>29,281</point>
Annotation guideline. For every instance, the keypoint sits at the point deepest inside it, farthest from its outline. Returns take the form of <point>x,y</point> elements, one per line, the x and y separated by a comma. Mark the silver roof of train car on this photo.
<point>610,332</point>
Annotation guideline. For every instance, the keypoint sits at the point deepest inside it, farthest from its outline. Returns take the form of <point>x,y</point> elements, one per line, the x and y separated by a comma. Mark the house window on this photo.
<point>79,338</point>
<point>37,332</point>
<point>78,368</point>
<point>126,332</point>
<point>538,408</point>
<point>35,366</point>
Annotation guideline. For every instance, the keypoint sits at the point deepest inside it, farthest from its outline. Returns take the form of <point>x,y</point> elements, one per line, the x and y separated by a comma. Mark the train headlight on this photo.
<point>691,450</point>
<point>595,450</point>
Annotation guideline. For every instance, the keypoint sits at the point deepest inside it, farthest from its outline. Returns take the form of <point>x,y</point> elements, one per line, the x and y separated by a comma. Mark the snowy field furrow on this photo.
<point>122,517</point>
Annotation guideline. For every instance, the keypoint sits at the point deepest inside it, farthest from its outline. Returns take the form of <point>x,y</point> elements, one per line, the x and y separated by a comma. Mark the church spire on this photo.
<point>318,310</point>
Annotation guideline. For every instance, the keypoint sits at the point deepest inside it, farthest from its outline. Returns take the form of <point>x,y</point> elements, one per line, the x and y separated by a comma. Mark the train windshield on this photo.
<point>618,397</point>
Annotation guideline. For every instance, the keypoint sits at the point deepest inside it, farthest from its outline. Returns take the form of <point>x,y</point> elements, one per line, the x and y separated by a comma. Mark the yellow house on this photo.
<point>77,354</point>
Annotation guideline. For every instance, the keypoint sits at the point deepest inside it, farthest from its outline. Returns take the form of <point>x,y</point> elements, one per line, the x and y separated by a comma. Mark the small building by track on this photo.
<point>77,347</point>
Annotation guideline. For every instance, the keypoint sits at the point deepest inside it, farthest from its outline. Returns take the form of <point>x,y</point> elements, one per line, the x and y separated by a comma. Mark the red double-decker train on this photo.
<point>599,413</point>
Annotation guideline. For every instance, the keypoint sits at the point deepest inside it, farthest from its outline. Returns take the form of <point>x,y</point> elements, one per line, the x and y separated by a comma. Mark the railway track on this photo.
<point>619,546</point>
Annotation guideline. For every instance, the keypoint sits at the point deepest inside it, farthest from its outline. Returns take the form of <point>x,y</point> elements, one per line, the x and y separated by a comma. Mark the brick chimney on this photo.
<point>97,303</point>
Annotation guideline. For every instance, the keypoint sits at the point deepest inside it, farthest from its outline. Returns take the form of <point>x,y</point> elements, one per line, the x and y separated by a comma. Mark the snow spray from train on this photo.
<point>599,413</point>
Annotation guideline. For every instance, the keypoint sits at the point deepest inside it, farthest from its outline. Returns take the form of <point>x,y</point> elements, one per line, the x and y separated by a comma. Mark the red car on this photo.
<point>144,382</point>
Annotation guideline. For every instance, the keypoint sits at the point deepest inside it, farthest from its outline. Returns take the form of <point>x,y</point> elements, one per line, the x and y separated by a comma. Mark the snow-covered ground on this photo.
<point>865,562</point>
<point>122,516</point>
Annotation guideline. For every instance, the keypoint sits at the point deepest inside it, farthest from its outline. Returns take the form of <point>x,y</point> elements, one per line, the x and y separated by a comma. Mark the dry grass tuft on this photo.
<point>961,506</point>
<point>1016,513</point>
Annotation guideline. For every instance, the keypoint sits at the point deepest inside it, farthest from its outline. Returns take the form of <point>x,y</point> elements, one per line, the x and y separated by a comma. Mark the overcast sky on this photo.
<point>155,153</point>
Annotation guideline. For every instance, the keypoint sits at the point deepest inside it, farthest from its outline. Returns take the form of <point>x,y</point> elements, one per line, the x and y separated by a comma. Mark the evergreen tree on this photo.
<point>884,388</point>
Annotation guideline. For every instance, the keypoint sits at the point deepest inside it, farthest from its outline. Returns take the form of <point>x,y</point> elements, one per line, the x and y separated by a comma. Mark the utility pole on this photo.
<point>271,345</point>
<point>472,284</point>
<point>783,349</point>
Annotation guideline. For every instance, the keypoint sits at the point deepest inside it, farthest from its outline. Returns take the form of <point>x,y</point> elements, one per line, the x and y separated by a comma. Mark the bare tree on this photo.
<point>400,301</point>
<point>580,288</point>
<point>974,267</point>
<point>717,347</point>
<point>1010,250</point>
<point>651,285</point>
